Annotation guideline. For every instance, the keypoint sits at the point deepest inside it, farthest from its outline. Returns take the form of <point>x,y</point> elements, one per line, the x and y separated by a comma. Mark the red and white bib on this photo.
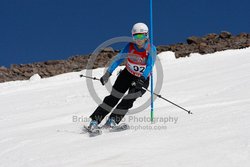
<point>136,61</point>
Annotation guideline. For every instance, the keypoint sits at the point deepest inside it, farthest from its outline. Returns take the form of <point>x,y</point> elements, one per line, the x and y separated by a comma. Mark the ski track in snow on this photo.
<point>37,127</point>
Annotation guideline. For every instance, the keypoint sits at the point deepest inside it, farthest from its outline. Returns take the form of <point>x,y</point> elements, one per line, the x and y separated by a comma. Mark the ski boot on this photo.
<point>109,124</point>
<point>93,129</point>
<point>93,125</point>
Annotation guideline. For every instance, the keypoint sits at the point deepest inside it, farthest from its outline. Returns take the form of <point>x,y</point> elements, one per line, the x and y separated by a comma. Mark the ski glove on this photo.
<point>104,79</point>
<point>139,83</point>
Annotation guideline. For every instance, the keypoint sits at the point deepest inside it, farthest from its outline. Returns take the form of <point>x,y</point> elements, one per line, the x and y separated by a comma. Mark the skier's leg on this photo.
<point>121,85</point>
<point>101,111</point>
<point>127,102</point>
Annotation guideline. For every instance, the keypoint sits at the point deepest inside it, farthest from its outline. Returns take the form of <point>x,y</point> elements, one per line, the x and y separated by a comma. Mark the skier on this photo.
<point>135,76</point>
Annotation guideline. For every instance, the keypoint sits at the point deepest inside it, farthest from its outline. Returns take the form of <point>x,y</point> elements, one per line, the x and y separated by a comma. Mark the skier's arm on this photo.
<point>118,59</point>
<point>150,63</point>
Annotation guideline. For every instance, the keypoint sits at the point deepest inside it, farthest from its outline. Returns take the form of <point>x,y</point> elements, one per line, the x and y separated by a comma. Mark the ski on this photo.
<point>92,133</point>
<point>97,132</point>
<point>119,128</point>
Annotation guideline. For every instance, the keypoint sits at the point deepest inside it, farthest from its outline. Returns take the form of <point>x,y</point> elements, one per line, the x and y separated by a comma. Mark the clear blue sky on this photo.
<point>40,30</point>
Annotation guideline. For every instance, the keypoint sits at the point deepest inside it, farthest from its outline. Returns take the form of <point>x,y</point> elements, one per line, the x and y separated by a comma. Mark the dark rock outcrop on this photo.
<point>208,44</point>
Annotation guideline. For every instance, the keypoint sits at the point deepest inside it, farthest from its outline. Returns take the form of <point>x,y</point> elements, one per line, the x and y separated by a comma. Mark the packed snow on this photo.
<point>41,119</point>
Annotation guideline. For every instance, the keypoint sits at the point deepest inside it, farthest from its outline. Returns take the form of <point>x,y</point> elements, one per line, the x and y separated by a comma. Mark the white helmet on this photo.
<point>140,28</point>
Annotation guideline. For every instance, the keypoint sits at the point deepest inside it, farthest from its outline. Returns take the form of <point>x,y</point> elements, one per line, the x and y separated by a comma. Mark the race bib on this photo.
<point>135,69</point>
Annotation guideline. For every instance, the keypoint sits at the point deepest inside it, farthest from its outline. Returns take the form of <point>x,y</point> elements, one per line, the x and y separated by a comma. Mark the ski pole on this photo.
<point>94,78</point>
<point>188,111</point>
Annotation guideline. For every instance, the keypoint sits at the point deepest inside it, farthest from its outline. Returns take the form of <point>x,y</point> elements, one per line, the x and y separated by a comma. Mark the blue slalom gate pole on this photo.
<point>151,53</point>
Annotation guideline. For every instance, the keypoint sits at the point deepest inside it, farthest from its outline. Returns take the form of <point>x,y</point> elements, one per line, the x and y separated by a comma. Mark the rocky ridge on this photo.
<point>207,44</point>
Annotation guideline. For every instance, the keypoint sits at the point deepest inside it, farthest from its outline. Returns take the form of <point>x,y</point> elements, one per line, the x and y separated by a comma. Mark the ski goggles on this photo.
<point>140,36</point>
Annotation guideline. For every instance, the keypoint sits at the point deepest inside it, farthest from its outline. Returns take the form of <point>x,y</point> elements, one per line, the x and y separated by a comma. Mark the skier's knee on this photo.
<point>110,100</point>
<point>126,104</point>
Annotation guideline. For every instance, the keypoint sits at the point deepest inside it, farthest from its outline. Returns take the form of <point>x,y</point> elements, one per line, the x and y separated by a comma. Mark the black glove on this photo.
<point>104,79</point>
<point>139,83</point>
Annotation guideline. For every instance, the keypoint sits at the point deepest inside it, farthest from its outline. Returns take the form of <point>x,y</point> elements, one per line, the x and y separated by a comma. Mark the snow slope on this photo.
<point>37,126</point>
